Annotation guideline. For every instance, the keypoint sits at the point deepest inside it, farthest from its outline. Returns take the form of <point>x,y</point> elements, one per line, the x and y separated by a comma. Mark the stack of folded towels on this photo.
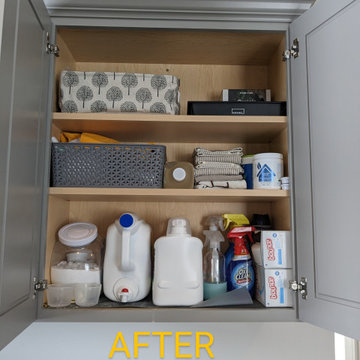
<point>219,169</point>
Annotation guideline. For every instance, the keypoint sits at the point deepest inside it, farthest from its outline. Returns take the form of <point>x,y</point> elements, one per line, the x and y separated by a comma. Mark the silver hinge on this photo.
<point>51,48</point>
<point>299,286</point>
<point>40,285</point>
<point>292,52</point>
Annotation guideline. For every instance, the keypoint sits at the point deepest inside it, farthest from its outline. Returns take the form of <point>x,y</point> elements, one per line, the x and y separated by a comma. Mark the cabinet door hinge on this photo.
<point>299,286</point>
<point>292,52</point>
<point>51,48</point>
<point>40,285</point>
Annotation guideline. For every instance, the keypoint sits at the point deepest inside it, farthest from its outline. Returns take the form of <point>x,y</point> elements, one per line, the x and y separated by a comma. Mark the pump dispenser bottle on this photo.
<point>214,261</point>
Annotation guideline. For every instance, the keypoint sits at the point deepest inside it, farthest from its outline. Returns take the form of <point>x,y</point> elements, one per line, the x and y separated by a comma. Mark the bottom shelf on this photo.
<point>145,311</point>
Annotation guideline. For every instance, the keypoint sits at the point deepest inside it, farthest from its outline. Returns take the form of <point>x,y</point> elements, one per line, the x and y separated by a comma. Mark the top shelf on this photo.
<point>142,127</point>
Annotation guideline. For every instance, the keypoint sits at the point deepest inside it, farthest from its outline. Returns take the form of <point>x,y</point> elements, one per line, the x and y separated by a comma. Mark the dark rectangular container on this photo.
<point>259,108</point>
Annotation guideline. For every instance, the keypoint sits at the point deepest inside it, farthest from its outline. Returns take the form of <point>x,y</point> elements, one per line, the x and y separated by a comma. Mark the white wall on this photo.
<point>243,341</point>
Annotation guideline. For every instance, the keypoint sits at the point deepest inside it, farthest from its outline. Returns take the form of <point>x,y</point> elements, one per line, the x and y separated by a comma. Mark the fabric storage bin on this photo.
<point>107,165</point>
<point>118,92</point>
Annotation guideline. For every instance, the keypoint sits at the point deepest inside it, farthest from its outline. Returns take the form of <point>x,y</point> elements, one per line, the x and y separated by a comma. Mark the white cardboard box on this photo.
<point>272,287</point>
<point>274,250</point>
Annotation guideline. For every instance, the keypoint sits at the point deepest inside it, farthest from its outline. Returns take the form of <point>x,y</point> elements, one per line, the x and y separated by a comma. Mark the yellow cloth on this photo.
<point>86,138</point>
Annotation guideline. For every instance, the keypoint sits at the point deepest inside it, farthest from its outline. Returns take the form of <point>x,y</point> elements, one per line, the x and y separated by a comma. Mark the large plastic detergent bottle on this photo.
<point>127,263</point>
<point>214,261</point>
<point>240,272</point>
<point>178,275</point>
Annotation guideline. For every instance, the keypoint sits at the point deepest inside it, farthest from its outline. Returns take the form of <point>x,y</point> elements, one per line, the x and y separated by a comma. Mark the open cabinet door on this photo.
<point>24,74</point>
<point>325,92</point>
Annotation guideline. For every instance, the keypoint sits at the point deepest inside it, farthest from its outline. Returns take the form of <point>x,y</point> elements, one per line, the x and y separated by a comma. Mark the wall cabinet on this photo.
<point>206,60</point>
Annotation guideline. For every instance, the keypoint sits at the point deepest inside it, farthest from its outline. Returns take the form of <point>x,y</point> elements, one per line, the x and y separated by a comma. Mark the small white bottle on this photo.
<point>178,275</point>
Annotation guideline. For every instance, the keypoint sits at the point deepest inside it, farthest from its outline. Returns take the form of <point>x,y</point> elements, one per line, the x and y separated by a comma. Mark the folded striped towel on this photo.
<point>229,156</point>
<point>218,178</point>
<point>240,184</point>
<point>217,168</point>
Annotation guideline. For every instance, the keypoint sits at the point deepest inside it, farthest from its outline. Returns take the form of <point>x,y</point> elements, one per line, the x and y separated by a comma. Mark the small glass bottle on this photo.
<point>214,261</point>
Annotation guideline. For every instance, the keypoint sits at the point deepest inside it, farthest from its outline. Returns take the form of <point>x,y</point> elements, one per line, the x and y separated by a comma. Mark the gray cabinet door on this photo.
<point>325,93</point>
<point>24,74</point>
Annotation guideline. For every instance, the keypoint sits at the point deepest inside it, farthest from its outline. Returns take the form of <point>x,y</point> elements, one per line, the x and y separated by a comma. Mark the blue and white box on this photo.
<point>274,250</point>
<point>272,287</point>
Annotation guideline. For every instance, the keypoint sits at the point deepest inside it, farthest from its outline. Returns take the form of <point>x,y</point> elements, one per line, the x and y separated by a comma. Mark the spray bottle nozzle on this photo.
<point>213,235</point>
<point>215,223</point>
<point>235,220</point>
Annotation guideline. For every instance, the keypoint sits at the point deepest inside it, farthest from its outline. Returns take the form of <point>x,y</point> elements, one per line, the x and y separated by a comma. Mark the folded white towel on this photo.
<point>240,184</point>
<point>217,168</point>
<point>229,156</point>
<point>204,152</point>
<point>218,178</point>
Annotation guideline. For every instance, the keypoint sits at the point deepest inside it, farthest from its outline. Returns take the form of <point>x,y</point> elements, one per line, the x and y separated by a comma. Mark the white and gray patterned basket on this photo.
<point>118,92</point>
<point>107,165</point>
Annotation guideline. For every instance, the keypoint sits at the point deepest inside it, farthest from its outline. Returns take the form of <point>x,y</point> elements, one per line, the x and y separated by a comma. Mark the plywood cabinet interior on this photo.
<point>205,62</point>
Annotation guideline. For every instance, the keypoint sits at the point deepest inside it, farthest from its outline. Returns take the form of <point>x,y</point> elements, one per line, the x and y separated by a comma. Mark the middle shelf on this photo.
<point>191,195</point>
<point>142,127</point>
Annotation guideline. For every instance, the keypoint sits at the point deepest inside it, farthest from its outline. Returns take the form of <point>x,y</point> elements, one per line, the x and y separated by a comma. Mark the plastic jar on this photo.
<point>267,170</point>
<point>77,256</point>
<point>247,164</point>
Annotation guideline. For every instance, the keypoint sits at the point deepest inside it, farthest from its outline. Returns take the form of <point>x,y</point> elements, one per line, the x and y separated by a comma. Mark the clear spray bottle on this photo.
<point>214,261</point>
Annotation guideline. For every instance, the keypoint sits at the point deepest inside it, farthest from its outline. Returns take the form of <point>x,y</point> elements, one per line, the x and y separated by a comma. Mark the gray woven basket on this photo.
<point>108,165</point>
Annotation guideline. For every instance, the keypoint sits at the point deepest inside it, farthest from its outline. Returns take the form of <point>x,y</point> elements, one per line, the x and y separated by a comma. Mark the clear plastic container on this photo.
<point>87,294</point>
<point>77,256</point>
<point>59,295</point>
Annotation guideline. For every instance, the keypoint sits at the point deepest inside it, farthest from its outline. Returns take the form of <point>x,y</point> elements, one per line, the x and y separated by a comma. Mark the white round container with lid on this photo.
<point>76,257</point>
<point>267,170</point>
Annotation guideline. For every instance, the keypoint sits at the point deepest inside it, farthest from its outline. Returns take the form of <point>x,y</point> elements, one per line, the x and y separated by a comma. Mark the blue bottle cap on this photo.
<point>126,220</point>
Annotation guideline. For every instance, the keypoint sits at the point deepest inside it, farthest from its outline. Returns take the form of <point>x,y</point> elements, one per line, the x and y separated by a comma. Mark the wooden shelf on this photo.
<point>174,128</point>
<point>110,311</point>
<point>185,195</point>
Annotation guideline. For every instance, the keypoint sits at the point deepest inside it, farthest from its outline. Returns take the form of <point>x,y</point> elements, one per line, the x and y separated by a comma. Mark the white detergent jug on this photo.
<point>127,263</point>
<point>178,276</point>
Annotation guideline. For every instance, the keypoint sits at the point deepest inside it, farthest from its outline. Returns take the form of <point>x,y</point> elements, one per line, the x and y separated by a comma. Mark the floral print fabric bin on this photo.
<point>118,92</point>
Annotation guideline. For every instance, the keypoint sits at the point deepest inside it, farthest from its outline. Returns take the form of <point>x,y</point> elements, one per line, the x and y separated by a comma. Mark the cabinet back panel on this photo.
<point>157,214</point>
<point>184,152</point>
<point>281,214</point>
<point>277,74</point>
<point>171,46</point>
<point>280,145</point>
<point>197,82</point>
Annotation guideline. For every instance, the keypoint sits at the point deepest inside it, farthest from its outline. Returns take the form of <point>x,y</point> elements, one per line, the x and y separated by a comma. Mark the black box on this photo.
<point>260,108</point>
<point>246,95</point>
